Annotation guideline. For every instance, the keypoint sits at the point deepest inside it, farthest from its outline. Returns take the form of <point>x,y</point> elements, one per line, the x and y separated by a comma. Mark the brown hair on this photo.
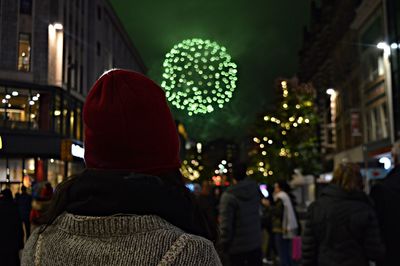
<point>348,177</point>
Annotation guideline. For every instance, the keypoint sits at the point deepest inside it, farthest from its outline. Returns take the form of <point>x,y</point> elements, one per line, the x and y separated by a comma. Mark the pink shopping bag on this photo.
<point>296,248</point>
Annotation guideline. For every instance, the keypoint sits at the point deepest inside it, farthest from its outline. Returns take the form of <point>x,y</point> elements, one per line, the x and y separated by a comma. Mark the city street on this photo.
<point>199,132</point>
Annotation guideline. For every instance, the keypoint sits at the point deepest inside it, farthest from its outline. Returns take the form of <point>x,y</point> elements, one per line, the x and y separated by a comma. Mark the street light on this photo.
<point>385,47</point>
<point>330,91</point>
<point>58,26</point>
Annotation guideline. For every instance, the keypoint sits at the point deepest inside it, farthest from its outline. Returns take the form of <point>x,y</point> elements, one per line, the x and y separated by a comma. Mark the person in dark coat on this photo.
<point>24,203</point>
<point>11,233</point>
<point>386,197</point>
<point>240,221</point>
<point>207,201</point>
<point>341,227</point>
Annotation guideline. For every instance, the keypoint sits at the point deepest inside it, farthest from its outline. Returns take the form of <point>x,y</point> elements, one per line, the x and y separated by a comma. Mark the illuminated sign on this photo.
<point>77,151</point>
<point>1,143</point>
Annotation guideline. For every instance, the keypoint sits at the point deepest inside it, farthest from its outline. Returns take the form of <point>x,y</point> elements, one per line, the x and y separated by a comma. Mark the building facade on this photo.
<point>330,62</point>
<point>348,56</point>
<point>51,52</point>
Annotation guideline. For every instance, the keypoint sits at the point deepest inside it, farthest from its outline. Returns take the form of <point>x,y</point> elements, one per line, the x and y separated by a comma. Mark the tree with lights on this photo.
<point>192,167</point>
<point>199,76</point>
<point>285,139</point>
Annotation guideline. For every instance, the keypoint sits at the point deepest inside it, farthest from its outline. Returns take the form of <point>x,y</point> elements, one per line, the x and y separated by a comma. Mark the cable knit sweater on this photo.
<point>116,240</point>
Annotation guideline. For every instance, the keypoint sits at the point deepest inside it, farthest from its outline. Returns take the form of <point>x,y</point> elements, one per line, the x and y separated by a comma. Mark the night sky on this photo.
<point>262,36</point>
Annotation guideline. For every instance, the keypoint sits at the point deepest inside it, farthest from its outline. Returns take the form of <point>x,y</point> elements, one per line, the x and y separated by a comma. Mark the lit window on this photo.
<point>24,52</point>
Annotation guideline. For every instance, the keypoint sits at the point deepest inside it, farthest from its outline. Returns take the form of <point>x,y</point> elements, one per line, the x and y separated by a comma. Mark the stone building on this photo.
<point>51,52</point>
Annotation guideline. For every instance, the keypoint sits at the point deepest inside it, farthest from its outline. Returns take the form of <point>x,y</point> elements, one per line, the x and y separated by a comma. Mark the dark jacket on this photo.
<point>240,222</point>
<point>24,202</point>
<point>386,197</point>
<point>341,229</point>
<point>11,232</point>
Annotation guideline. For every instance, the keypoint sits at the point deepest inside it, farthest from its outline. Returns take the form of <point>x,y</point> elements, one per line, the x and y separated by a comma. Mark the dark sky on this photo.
<point>262,36</point>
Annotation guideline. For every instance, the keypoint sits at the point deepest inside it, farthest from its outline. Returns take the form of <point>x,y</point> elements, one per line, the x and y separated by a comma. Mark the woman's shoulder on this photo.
<point>198,251</point>
<point>28,253</point>
<point>190,249</point>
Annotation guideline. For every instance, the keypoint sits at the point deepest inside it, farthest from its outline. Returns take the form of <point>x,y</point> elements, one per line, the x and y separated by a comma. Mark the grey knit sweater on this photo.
<point>116,240</point>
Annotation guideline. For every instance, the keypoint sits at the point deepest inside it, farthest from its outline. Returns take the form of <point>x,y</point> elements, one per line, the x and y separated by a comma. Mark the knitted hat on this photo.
<point>128,125</point>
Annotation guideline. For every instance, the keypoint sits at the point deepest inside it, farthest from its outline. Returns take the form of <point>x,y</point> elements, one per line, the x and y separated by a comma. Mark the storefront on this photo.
<point>34,122</point>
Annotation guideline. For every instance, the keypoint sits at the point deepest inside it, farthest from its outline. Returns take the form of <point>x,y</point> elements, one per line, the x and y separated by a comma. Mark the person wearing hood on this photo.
<point>130,205</point>
<point>341,227</point>
<point>240,222</point>
<point>386,197</point>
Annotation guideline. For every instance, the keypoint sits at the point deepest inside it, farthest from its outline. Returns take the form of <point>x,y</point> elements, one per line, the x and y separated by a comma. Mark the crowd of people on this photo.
<point>130,206</point>
<point>19,215</point>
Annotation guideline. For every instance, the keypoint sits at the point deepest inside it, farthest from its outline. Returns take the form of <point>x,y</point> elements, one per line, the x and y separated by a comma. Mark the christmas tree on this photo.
<point>285,137</point>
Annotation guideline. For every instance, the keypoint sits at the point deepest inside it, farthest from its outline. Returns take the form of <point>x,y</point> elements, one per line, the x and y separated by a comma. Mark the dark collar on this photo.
<point>338,192</point>
<point>105,193</point>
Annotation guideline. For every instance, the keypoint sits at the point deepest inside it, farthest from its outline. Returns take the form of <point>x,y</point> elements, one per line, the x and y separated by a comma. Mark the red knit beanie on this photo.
<point>128,125</point>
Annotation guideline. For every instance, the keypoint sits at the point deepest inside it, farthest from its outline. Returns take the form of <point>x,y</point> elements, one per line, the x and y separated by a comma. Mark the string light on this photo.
<point>199,76</point>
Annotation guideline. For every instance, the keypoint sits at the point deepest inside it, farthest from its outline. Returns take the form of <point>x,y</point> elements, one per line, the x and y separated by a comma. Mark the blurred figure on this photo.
<point>341,227</point>
<point>41,200</point>
<point>240,221</point>
<point>386,197</point>
<point>284,221</point>
<point>24,203</point>
<point>266,224</point>
<point>207,201</point>
<point>11,232</point>
<point>196,189</point>
<point>130,205</point>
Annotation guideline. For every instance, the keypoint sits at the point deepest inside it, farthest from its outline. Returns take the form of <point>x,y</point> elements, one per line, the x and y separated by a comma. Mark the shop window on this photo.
<point>20,108</point>
<point>15,170</point>
<point>57,114</point>
<point>55,171</point>
<point>17,112</point>
<point>45,102</point>
<point>65,118</point>
<point>3,107</point>
<point>29,167</point>
<point>34,105</point>
<point>72,123</point>
<point>3,170</point>
<point>24,52</point>
<point>79,124</point>
<point>25,7</point>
